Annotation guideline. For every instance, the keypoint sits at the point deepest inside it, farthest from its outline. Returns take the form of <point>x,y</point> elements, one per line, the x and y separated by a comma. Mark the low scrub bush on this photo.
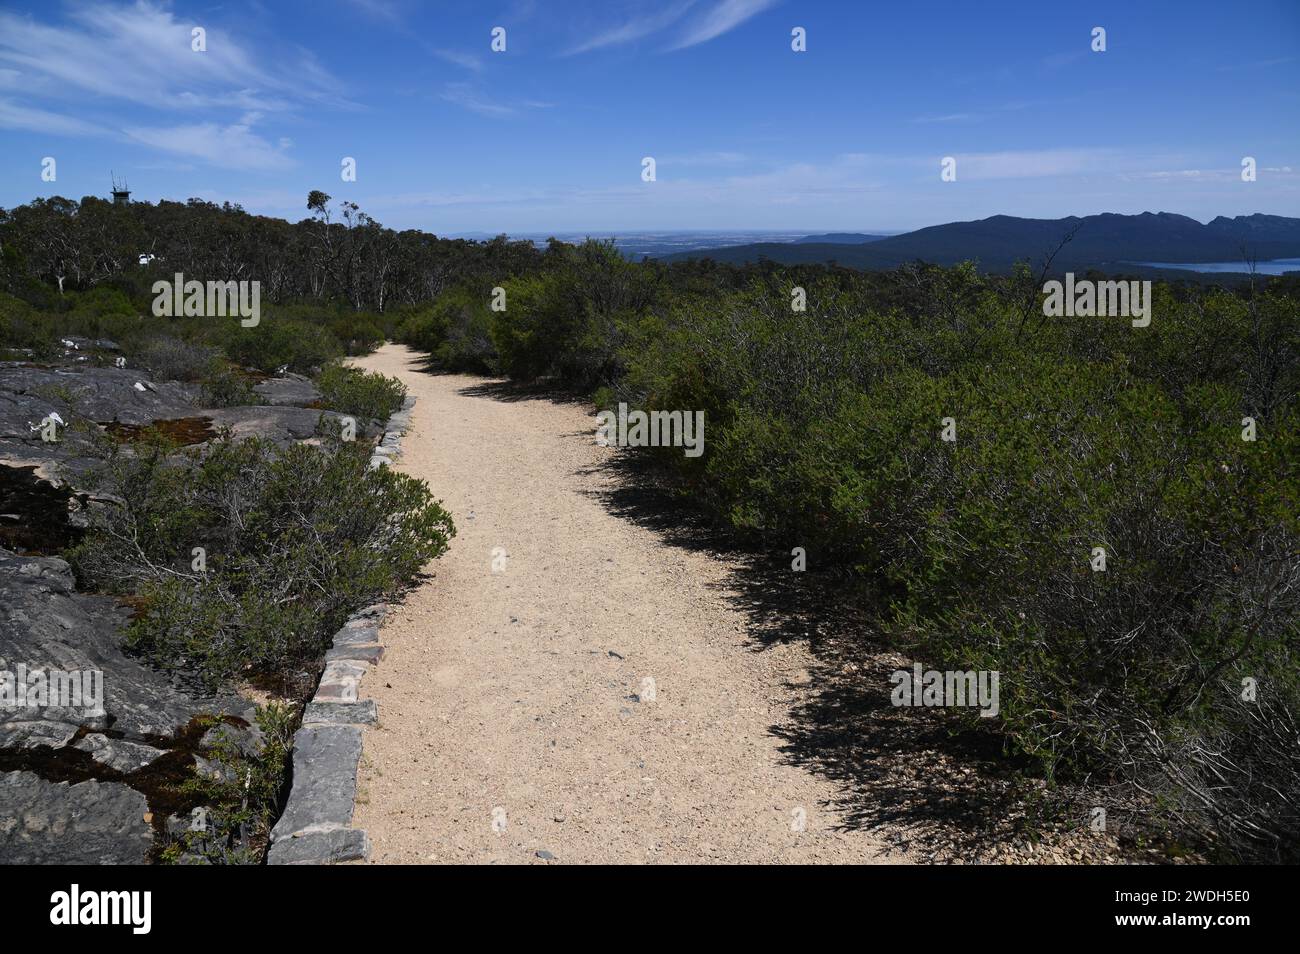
<point>456,331</point>
<point>364,393</point>
<point>824,429</point>
<point>293,539</point>
<point>224,386</point>
<point>358,333</point>
<point>174,359</point>
<point>23,328</point>
<point>277,342</point>
<point>569,322</point>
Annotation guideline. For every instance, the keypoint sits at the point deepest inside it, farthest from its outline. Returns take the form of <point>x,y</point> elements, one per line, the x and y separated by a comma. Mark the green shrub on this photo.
<point>823,428</point>
<point>422,330</point>
<point>106,312</point>
<point>224,386</point>
<point>569,322</point>
<point>23,328</point>
<point>1134,673</point>
<point>174,359</point>
<point>358,333</point>
<point>364,393</point>
<point>294,540</point>
<point>456,331</point>
<point>277,342</point>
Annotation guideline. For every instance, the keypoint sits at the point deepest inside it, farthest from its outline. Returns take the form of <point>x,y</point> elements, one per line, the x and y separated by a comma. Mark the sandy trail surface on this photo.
<point>519,722</point>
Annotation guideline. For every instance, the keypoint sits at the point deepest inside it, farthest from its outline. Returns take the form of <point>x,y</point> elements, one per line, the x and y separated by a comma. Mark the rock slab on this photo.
<point>325,759</point>
<point>90,823</point>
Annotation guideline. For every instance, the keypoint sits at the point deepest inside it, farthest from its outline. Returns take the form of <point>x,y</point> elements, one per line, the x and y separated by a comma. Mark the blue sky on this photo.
<point>549,135</point>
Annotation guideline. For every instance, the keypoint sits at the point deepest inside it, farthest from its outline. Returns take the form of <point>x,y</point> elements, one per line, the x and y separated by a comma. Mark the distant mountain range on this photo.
<point>1108,242</point>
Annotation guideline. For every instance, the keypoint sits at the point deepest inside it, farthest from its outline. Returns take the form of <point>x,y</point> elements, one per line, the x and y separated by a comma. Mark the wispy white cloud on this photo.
<point>634,28</point>
<point>794,185</point>
<point>394,14</point>
<point>722,158</point>
<point>1031,163</point>
<point>472,97</point>
<point>699,21</point>
<point>519,11</point>
<point>1228,175</point>
<point>1055,61</point>
<point>142,54</point>
<point>1256,65</point>
<point>987,112</point>
<point>723,18</point>
<point>468,97</point>
<point>103,57</point>
<point>379,9</point>
<point>948,118</point>
<point>235,146</point>
<point>13,116</point>
<point>467,60</point>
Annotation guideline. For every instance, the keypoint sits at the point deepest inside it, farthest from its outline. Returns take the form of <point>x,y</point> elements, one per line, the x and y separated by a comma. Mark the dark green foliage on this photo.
<point>294,539</point>
<point>175,359</point>
<point>565,321</point>
<point>224,386</point>
<point>329,286</point>
<point>456,331</point>
<point>568,320</point>
<point>345,261</point>
<point>22,329</point>
<point>278,343</point>
<point>359,333</point>
<point>823,431</point>
<point>364,393</point>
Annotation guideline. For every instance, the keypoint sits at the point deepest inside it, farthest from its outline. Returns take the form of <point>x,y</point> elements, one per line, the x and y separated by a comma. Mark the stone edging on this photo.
<point>315,827</point>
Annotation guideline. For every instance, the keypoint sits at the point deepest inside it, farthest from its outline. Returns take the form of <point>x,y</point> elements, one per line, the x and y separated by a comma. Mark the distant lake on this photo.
<point>1274,266</point>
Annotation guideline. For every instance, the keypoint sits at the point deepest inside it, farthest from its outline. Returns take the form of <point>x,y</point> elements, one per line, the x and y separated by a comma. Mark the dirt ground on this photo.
<point>567,686</point>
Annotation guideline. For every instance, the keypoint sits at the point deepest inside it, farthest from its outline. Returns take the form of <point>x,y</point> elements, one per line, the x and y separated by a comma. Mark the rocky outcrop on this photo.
<point>288,390</point>
<point>46,625</point>
<point>75,780</point>
<point>28,393</point>
<point>120,399</point>
<point>68,784</point>
<point>89,823</point>
<point>283,425</point>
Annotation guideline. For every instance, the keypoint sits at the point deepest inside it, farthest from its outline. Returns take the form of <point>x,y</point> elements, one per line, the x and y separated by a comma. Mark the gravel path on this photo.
<point>511,728</point>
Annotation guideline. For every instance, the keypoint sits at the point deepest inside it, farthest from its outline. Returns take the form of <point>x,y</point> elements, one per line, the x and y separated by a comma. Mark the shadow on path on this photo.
<point>918,778</point>
<point>501,389</point>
